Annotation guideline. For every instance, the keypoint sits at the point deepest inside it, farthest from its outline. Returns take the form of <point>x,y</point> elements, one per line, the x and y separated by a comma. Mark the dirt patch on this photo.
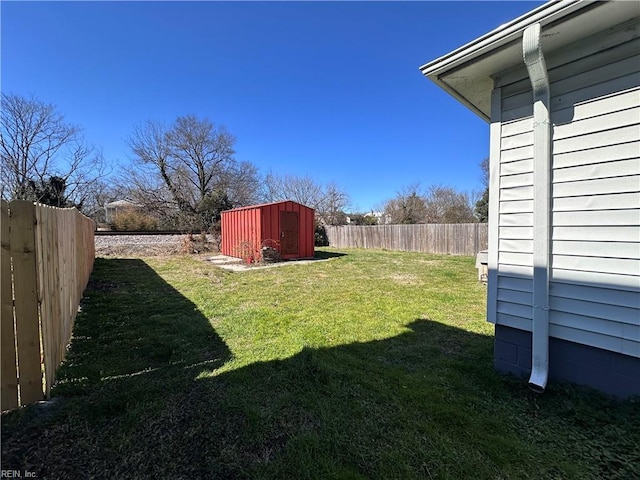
<point>405,279</point>
<point>238,265</point>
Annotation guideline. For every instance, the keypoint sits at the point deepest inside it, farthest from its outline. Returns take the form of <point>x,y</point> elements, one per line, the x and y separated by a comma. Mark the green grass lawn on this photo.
<point>371,364</point>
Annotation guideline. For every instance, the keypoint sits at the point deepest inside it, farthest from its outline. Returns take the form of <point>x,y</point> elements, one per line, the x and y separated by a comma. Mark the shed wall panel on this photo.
<point>245,231</point>
<point>241,232</point>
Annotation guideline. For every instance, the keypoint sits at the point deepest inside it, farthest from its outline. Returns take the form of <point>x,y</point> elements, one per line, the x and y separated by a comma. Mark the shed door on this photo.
<point>288,233</point>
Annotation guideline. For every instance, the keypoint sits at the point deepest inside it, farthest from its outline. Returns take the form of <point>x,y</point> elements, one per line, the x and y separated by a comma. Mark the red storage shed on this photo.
<point>286,226</point>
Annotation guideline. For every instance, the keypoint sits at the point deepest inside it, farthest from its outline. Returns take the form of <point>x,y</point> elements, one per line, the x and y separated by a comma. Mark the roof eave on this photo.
<point>461,98</point>
<point>492,42</point>
<point>502,35</point>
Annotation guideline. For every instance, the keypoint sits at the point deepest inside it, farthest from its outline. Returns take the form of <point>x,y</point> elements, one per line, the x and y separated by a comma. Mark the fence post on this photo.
<point>25,282</point>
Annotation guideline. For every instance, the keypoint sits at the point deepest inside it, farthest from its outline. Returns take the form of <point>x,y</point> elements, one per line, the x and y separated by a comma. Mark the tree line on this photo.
<point>181,175</point>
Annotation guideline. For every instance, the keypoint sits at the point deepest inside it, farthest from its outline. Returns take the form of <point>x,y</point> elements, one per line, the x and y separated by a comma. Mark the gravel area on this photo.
<point>115,240</point>
<point>151,245</point>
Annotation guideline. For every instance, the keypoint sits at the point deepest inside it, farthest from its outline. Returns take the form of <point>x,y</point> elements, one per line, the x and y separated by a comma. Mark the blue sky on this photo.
<point>330,90</point>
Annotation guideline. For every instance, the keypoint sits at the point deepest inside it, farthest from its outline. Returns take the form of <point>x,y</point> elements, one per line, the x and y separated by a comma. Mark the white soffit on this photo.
<point>466,73</point>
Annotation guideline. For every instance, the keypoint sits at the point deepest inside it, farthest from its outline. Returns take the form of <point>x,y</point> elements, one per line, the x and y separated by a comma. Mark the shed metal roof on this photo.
<point>248,207</point>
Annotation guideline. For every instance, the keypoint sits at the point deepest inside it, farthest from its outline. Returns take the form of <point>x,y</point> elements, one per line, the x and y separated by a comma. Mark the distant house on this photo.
<point>560,87</point>
<point>112,208</point>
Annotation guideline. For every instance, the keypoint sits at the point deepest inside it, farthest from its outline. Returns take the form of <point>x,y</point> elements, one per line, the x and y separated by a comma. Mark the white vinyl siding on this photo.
<point>595,219</point>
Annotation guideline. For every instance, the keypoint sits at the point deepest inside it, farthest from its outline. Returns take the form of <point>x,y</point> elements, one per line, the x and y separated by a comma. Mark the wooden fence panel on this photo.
<point>45,219</point>
<point>25,288</point>
<point>452,239</point>
<point>47,257</point>
<point>8,371</point>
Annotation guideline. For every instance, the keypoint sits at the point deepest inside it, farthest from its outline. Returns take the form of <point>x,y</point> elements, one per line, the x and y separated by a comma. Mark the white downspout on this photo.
<point>537,68</point>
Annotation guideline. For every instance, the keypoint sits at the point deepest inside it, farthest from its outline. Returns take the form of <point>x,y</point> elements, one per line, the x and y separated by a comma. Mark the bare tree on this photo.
<point>243,184</point>
<point>447,205</point>
<point>363,219</point>
<point>438,204</point>
<point>407,207</point>
<point>189,167</point>
<point>303,190</point>
<point>40,153</point>
<point>334,203</point>
<point>484,168</point>
<point>199,156</point>
<point>329,201</point>
<point>482,203</point>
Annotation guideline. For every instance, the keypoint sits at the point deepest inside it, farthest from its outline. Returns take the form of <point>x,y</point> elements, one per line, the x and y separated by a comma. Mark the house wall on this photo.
<point>608,371</point>
<point>595,221</point>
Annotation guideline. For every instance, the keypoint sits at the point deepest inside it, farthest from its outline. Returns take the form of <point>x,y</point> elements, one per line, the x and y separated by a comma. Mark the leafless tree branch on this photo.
<point>36,145</point>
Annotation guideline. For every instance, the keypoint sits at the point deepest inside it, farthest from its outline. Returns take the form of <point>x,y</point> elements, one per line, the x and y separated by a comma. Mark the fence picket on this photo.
<point>8,371</point>
<point>25,290</point>
<point>43,219</point>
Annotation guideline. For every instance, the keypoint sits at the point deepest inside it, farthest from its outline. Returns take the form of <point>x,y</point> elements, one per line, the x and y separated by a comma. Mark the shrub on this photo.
<point>249,251</point>
<point>131,219</point>
<point>320,236</point>
<point>196,243</point>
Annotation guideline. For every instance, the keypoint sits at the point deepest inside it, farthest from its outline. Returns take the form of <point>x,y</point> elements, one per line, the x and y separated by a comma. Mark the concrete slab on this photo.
<point>238,265</point>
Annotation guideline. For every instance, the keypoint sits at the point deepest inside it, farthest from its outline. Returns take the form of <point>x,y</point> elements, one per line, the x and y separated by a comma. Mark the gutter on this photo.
<point>542,141</point>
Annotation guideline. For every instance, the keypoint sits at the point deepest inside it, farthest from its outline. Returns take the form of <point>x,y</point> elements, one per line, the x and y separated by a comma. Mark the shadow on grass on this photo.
<point>324,255</point>
<point>133,323</point>
<point>138,397</point>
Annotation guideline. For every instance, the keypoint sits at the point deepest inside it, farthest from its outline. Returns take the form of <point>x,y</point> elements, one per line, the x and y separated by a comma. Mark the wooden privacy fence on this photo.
<point>451,238</point>
<point>47,256</point>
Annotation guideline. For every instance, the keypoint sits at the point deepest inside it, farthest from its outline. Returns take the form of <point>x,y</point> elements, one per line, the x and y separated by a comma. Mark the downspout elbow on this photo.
<point>537,70</point>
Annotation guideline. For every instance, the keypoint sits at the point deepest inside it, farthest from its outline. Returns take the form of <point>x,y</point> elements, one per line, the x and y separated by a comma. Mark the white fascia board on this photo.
<point>486,46</point>
<point>502,35</point>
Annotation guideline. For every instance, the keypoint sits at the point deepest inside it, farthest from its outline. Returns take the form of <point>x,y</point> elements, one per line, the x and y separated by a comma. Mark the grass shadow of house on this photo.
<point>139,396</point>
